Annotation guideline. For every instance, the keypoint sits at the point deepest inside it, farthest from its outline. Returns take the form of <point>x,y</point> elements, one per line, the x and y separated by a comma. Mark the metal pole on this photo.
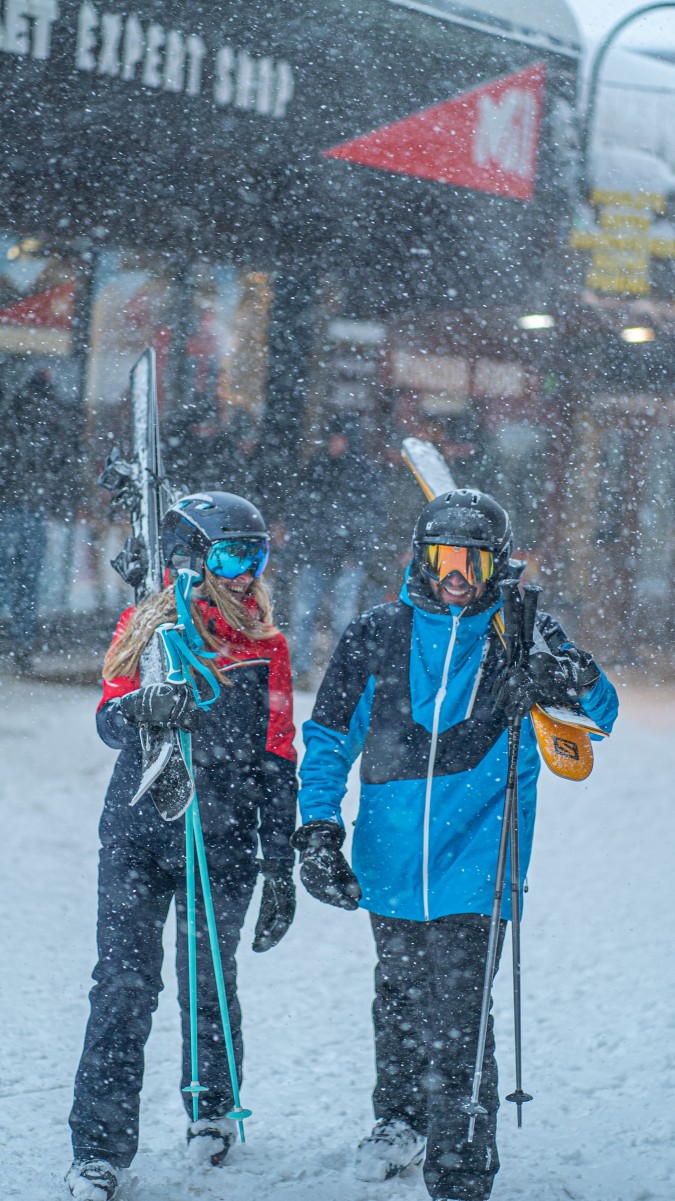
<point>473,1107</point>
<point>237,1113</point>
<point>518,1097</point>
<point>593,80</point>
<point>195,1088</point>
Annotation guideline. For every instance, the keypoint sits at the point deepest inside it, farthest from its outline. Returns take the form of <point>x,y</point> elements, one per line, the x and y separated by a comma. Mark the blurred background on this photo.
<point>340,225</point>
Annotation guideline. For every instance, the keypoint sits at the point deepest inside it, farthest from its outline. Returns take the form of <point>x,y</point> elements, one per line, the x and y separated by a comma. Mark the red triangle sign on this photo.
<point>52,309</point>
<point>486,139</point>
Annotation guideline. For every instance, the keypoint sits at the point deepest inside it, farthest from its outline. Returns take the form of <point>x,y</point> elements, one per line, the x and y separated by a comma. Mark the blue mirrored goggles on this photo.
<point>235,556</point>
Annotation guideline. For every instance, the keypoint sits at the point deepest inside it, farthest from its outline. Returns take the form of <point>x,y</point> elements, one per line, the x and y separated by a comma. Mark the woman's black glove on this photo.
<point>166,705</point>
<point>277,908</point>
<point>541,681</point>
<point>324,870</point>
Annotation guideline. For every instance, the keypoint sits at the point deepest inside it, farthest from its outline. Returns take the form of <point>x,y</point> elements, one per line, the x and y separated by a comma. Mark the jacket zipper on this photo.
<point>477,681</point>
<point>440,697</point>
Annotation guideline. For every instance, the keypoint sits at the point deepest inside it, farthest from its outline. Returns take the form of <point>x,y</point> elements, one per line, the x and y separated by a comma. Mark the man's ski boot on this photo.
<point>92,1180</point>
<point>390,1148</point>
<point>210,1139</point>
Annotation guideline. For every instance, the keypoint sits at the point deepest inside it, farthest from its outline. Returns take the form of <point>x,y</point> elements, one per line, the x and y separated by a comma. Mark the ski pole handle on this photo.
<point>175,673</point>
<point>512,605</point>
<point>530,601</point>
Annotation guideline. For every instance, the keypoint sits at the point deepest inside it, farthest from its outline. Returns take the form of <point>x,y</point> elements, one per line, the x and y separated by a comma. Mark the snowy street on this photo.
<point>599,980</point>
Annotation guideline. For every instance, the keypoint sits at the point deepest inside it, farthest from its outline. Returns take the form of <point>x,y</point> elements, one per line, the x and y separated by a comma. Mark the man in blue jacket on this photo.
<point>420,687</point>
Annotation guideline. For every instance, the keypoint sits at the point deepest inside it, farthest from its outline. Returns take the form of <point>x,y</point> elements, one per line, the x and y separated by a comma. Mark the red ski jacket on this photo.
<point>242,750</point>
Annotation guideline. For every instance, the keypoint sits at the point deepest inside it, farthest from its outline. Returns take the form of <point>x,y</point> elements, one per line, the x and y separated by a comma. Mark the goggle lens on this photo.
<point>234,556</point>
<point>474,564</point>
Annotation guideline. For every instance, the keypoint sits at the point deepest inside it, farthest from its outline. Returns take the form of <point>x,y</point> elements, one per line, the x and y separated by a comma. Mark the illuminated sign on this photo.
<point>623,247</point>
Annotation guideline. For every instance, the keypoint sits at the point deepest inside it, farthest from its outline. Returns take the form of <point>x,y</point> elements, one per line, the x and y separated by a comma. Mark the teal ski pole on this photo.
<point>193,820</point>
<point>194,1087</point>
<point>182,643</point>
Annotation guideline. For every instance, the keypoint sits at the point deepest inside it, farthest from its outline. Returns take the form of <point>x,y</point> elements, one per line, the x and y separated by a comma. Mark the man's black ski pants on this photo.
<point>135,892</point>
<point>428,992</point>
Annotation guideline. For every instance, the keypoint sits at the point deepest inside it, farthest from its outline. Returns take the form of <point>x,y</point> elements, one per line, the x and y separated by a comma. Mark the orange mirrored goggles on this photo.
<point>474,564</point>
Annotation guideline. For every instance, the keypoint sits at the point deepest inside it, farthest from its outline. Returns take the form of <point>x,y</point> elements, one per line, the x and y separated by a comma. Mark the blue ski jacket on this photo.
<point>413,691</point>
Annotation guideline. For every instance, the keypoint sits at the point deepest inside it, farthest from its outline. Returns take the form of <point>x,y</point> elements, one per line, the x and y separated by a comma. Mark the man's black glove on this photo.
<point>324,870</point>
<point>541,681</point>
<point>277,908</point>
<point>166,705</point>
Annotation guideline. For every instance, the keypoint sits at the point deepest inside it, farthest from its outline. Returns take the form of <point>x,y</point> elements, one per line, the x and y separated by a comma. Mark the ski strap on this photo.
<point>184,665</point>
<point>565,747</point>
<point>183,643</point>
<point>185,582</point>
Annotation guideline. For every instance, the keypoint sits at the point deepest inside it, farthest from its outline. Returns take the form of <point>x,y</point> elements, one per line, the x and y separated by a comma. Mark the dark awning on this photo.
<point>226,129</point>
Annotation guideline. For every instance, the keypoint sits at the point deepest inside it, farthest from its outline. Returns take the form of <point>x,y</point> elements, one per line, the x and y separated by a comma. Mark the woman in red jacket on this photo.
<point>244,764</point>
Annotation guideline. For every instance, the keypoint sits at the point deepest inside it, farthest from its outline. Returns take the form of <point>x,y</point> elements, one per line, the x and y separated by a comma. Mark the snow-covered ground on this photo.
<point>599,982</point>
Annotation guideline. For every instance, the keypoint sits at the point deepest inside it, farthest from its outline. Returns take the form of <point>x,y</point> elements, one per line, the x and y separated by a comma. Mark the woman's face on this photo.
<point>240,584</point>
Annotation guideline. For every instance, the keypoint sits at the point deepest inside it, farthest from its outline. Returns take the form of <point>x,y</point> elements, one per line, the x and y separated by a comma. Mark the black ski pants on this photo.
<point>135,892</point>
<point>428,992</point>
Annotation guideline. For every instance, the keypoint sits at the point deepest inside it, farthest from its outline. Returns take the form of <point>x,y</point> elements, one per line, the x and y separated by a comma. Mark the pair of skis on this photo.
<point>174,654</point>
<point>139,486</point>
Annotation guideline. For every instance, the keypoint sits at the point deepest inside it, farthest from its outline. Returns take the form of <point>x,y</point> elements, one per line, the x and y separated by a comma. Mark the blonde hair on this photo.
<point>124,656</point>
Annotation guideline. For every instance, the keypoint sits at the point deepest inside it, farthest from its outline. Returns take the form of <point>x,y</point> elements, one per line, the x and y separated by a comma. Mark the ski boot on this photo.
<point>390,1148</point>
<point>210,1139</point>
<point>92,1180</point>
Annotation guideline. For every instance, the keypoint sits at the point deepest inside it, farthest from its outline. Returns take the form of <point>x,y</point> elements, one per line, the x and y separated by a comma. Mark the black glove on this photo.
<point>324,870</point>
<point>277,908</point>
<point>541,681</point>
<point>166,705</point>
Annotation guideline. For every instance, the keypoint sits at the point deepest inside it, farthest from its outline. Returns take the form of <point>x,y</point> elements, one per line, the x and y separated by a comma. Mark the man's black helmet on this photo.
<point>192,525</point>
<point>466,517</point>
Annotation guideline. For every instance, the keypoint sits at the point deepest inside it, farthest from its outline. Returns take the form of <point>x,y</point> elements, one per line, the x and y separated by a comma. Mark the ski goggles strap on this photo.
<point>232,557</point>
<point>472,562</point>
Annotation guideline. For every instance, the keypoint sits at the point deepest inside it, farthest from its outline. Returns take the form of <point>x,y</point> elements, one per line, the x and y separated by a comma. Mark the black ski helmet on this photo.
<point>192,525</point>
<point>466,517</point>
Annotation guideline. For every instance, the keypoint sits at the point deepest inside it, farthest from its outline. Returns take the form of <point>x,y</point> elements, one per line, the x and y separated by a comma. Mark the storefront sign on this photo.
<point>441,381</point>
<point>121,46</point>
<point>486,138</point>
<point>623,246</point>
<point>177,126</point>
<point>40,323</point>
<point>499,378</point>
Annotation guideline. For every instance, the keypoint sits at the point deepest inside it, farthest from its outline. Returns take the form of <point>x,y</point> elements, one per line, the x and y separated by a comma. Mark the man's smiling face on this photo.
<point>456,590</point>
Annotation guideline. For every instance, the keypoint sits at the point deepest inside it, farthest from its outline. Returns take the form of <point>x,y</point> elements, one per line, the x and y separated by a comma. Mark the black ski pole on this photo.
<point>518,1096</point>
<point>528,612</point>
<point>516,637</point>
<point>473,1106</point>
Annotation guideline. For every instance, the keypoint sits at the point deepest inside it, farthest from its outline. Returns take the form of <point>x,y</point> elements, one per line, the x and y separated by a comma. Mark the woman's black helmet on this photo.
<point>195,522</point>
<point>466,517</point>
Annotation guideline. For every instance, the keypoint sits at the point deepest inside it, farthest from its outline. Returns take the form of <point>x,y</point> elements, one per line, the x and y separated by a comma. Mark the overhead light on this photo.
<point>536,321</point>
<point>29,245</point>
<point>638,333</point>
<point>13,252</point>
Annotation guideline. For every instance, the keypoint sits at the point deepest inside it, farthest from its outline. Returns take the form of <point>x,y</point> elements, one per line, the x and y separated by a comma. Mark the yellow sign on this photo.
<point>623,247</point>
